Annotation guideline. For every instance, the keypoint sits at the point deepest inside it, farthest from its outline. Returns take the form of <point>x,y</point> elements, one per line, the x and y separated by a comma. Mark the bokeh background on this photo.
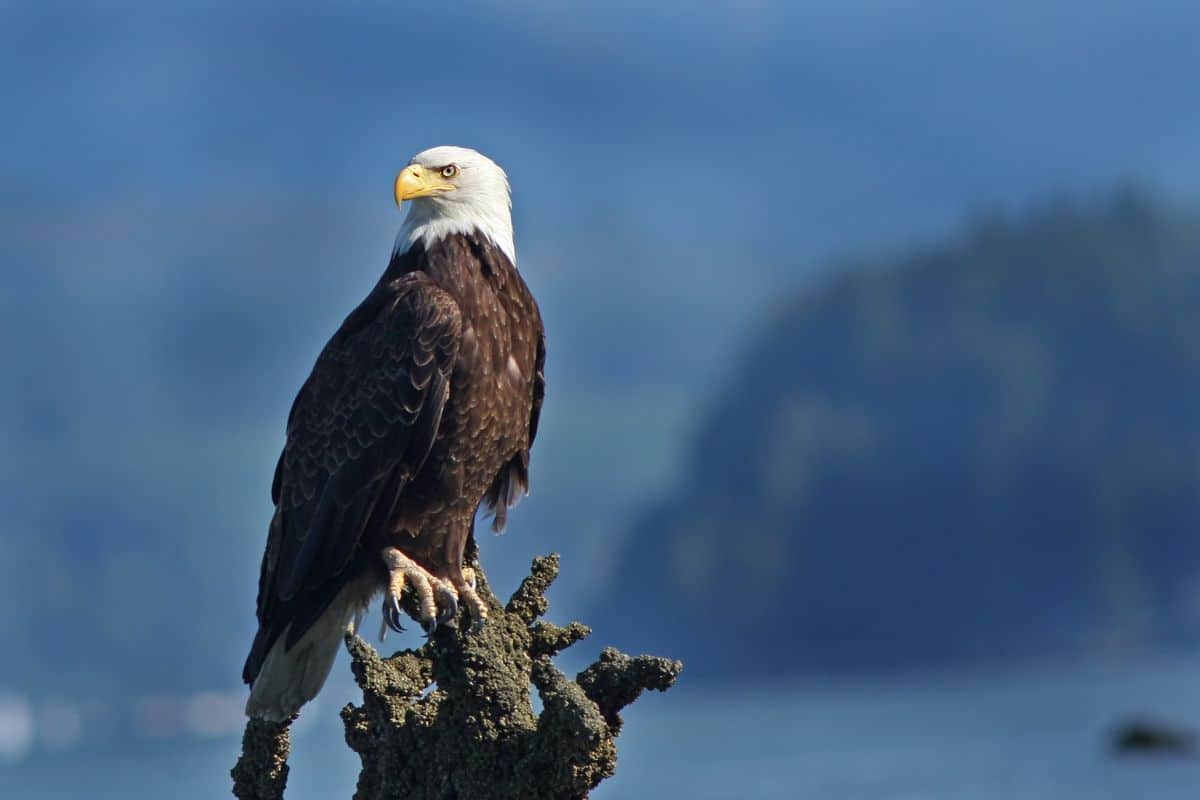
<point>872,365</point>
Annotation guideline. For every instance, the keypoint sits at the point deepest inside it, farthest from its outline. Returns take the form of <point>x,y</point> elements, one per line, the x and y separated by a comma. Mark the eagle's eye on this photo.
<point>449,171</point>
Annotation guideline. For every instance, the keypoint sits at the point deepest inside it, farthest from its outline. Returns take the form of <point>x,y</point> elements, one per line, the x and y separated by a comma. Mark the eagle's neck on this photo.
<point>434,218</point>
<point>463,264</point>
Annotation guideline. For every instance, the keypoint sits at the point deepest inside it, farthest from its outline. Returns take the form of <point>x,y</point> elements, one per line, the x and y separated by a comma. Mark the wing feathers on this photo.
<point>512,481</point>
<point>369,410</point>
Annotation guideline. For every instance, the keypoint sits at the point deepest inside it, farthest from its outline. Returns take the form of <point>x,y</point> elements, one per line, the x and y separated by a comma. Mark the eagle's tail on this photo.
<point>289,678</point>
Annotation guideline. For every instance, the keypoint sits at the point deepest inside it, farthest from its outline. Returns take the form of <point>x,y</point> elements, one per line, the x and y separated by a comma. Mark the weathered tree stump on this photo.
<point>454,718</point>
<point>262,770</point>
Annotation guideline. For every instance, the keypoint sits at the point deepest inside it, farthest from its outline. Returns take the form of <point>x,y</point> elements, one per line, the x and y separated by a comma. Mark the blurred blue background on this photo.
<point>872,367</point>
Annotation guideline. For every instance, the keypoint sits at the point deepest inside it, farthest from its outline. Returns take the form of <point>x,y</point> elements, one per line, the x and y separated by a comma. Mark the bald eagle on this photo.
<point>422,406</point>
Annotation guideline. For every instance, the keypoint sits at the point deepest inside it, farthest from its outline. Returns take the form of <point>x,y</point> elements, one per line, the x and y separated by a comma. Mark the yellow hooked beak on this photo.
<point>416,181</point>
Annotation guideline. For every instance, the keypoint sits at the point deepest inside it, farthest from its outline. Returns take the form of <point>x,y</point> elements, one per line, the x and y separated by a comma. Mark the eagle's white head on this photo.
<point>454,190</point>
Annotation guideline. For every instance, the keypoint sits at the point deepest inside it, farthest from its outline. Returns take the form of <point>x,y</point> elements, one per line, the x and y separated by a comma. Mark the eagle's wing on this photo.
<point>539,386</point>
<point>360,427</point>
<point>513,478</point>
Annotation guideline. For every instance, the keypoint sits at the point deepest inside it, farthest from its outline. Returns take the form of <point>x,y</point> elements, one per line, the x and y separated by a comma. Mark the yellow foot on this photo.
<point>465,586</point>
<point>429,590</point>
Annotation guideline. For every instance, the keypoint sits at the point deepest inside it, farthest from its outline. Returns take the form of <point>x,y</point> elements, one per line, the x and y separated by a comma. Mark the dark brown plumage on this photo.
<point>423,404</point>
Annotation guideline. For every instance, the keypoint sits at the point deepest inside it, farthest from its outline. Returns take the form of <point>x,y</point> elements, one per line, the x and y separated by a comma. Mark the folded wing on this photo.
<point>361,426</point>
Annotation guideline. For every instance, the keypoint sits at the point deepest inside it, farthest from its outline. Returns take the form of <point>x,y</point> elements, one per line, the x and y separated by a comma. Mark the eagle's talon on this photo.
<point>451,609</point>
<point>476,609</point>
<point>428,589</point>
<point>391,613</point>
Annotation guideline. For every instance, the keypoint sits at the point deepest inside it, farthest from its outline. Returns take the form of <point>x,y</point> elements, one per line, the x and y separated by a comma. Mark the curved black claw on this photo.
<point>429,626</point>
<point>478,624</point>
<point>450,611</point>
<point>391,614</point>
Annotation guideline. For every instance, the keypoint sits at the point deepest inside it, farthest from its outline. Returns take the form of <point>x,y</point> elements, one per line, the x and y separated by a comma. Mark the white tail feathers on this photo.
<point>290,679</point>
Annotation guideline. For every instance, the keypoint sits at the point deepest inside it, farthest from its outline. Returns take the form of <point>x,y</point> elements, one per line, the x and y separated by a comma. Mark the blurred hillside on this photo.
<point>985,449</point>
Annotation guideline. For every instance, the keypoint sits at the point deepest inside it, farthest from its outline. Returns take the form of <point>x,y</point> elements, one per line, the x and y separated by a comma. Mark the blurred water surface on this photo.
<point>1034,734</point>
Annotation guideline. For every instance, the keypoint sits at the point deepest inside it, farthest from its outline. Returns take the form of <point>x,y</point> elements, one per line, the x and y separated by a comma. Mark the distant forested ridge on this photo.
<point>988,448</point>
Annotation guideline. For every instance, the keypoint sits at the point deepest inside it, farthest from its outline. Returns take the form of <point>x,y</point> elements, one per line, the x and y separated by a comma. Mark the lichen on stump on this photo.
<point>475,735</point>
<point>262,770</point>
